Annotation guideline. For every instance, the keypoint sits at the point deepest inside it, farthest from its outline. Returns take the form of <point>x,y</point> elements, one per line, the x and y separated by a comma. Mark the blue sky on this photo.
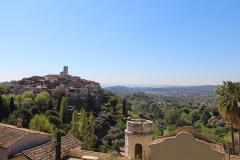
<point>171,42</point>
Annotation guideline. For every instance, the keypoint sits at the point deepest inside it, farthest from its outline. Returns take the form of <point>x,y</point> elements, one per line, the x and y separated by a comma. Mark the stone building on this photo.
<point>64,73</point>
<point>138,136</point>
<point>183,144</point>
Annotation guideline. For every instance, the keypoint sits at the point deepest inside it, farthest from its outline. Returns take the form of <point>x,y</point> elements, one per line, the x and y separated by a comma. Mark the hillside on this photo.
<point>208,89</point>
<point>195,95</point>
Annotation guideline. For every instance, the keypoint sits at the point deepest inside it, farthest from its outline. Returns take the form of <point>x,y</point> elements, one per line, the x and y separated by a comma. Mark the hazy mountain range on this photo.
<point>206,89</point>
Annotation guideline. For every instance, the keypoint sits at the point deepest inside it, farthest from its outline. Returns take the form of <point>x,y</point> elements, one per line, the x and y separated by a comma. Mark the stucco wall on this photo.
<point>132,140</point>
<point>183,147</point>
<point>138,131</point>
<point>28,141</point>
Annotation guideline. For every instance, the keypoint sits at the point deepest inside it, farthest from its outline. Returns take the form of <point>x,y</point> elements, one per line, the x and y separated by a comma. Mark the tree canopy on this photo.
<point>41,123</point>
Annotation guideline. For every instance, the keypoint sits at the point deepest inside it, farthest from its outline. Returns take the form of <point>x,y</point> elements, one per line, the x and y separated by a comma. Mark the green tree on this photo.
<point>227,97</point>
<point>124,108</point>
<point>90,137</point>
<point>19,102</point>
<point>206,115</point>
<point>24,114</point>
<point>113,102</point>
<point>90,103</point>
<point>4,88</point>
<point>184,120</point>
<point>42,99</point>
<point>41,123</point>
<point>185,110</point>
<point>28,94</point>
<point>54,118</point>
<point>50,104</point>
<point>171,116</point>
<point>58,94</point>
<point>52,113</point>
<point>12,105</point>
<point>75,124</point>
<point>3,109</point>
<point>83,124</point>
<point>35,110</point>
<point>195,114</point>
<point>56,121</point>
<point>63,109</point>
<point>91,130</point>
<point>27,102</point>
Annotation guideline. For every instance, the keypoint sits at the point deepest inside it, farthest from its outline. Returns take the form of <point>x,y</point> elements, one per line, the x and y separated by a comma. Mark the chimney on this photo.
<point>19,122</point>
<point>58,146</point>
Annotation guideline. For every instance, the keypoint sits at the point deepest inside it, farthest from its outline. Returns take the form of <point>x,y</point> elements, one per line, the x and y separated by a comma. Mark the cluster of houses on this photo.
<point>185,143</point>
<point>51,82</point>
<point>75,87</point>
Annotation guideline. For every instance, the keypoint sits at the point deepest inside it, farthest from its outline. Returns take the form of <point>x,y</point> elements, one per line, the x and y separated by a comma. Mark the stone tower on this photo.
<point>64,72</point>
<point>138,136</point>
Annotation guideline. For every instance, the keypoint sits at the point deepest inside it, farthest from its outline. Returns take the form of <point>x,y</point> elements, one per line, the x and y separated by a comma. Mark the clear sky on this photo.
<point>178,42</point>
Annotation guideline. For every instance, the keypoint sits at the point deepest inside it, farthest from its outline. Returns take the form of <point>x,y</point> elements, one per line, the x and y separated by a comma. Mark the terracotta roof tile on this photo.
<point>10,134</point>
<point>47,151</point>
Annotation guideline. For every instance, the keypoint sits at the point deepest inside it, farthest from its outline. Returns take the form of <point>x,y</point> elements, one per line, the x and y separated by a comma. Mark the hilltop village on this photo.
<point>75,88</point>
<point>72,84</point>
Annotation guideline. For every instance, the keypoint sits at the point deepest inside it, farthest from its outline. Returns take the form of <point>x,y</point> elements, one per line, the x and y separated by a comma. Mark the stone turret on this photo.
<point>138,136</point>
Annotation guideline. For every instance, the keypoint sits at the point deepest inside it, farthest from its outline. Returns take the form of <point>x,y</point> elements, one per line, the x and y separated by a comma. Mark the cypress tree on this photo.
<point>83,124</point>
<point>124,109</point>
<point>12,106</point>
<point>63,109</point>
<point>75,124</point>
<point>3,109</point>
<point>90,137</point>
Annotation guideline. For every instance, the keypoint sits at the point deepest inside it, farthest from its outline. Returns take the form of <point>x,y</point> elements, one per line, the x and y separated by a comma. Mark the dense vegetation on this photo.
<point>102,129</point>
<point>99,128</point>
<point>196,95</point>
<point>168,117</point>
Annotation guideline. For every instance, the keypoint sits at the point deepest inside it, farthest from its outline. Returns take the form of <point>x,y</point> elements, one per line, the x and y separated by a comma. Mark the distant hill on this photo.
<point>207,89</point>
<point>196,95</point>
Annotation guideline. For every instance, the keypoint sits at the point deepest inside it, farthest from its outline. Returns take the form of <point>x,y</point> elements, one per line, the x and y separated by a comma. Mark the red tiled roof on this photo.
<point>47,151</point>
<point>10,134</point>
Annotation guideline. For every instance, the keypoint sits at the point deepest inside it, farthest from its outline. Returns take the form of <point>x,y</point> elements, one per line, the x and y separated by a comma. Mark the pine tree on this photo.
<point>63,109</point>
